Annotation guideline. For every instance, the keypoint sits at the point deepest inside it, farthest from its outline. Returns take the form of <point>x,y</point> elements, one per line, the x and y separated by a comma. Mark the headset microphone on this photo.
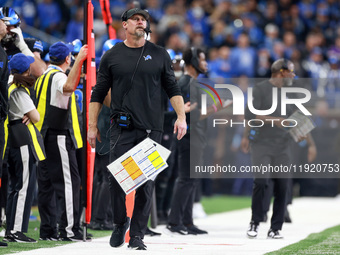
<point>147,29</point>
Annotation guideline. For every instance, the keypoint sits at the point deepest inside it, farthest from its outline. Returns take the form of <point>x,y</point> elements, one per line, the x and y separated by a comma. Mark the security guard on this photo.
<point>25,148</point>
<point>59,126</point>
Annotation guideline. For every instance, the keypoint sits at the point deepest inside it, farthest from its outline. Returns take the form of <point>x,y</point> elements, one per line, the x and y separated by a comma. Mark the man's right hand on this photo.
<point>92,135</point>
<point>245,144</point>
<point>83,52</point>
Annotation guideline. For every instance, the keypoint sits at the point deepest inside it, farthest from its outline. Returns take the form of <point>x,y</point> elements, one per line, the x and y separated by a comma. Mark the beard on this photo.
<point>139,33</point>
<point>287,82</point>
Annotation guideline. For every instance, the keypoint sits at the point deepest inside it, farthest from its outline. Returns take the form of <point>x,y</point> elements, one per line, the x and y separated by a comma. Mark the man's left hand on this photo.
<point>312,152</point>
<point>180,128</point>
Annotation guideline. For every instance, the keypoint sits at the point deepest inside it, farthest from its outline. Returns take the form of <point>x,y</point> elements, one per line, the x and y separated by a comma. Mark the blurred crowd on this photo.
<point>241,37</point>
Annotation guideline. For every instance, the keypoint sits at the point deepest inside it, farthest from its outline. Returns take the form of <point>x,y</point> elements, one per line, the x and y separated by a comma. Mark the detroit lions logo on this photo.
<point>147,57</point>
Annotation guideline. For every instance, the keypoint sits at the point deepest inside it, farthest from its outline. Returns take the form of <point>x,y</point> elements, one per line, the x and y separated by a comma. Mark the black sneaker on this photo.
<point>149,232</point>
<point>8,238</point>
<point>118,235</point>
<point>287,218</point>
<point>274,234</point>
<point>193,230</point>
<point>136,243</point>
<point>18,237</point>
<point>179,229</point>
<point>100,226</point>
<point>53,238</point>
<point>76,238</point>
<point>252,230</point>
<point>3,244</point>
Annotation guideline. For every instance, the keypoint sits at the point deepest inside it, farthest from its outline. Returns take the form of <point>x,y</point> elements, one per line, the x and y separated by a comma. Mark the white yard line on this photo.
<point>227,234</point>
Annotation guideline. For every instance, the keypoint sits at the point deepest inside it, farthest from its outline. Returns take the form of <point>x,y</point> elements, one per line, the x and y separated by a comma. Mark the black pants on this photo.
<point>46,202</point>
<point>274,156</point>
<point>3,170</point>
<point>2,143</point>
<point>59,176</point>
<point>127,139</point>
<point>101,205</point>
<point>185,187</point>
<point>165,182</point>
<point>22,180</point>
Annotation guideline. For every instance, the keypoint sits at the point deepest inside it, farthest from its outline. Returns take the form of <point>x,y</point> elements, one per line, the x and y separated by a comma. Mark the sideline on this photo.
<point>227,233</point>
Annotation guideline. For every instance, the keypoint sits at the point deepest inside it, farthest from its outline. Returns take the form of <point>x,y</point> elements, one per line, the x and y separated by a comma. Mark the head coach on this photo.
<point>136,71</point>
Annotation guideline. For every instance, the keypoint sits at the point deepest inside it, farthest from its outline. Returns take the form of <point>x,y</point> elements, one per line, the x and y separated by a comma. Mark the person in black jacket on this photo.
<point>136,70</point>
<point>3,95</point>
<point>3,86</point>
<point>180,219</point>
<point>269,145</point>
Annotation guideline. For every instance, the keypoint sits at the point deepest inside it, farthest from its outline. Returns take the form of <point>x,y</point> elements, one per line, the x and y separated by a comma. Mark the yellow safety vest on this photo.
<point>34,137</point>
<point>42,89</point>
<point>6,136</point>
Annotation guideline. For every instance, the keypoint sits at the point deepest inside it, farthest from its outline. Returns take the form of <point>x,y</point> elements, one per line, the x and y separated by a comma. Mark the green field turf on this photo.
<point>218,204</point>
<point>325,242</point>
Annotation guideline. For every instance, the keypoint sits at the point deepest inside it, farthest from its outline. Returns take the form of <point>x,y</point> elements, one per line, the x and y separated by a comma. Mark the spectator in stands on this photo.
<point>317,68</point>
<point>251,28</point>
<point>290,44</point>
<point>263,63</point>
<point>243,57</point>
<point>75,28</point>
<point>221,66</point>
<point>271,36</point>
<point>50,17</point>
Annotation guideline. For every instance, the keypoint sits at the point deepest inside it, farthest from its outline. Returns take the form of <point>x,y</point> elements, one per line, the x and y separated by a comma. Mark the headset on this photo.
<point>195,60</point>
<point>147,29</point>
<point>285,64</point>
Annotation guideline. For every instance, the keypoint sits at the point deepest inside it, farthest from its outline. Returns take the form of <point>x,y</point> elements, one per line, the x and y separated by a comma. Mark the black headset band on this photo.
<point>285,64</point>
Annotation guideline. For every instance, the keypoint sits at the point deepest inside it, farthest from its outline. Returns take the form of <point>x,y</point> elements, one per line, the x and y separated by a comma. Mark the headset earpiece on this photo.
<point>147,29</point>
<point>195,62</point>
<point>285,64</point>
<point>194,59</point>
